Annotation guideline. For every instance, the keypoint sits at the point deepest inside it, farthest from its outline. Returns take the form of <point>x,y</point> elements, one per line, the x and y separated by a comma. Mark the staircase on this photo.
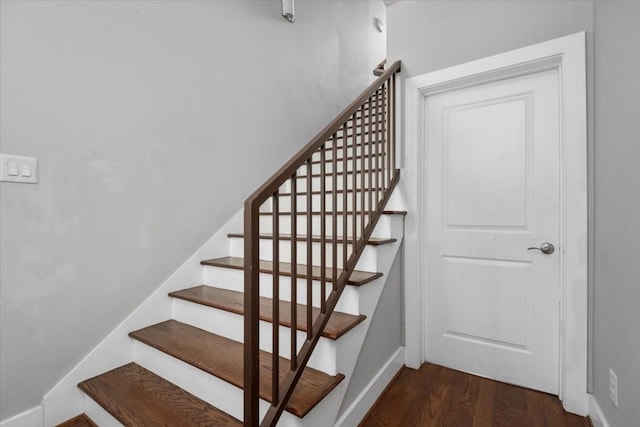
<point>274,333</point>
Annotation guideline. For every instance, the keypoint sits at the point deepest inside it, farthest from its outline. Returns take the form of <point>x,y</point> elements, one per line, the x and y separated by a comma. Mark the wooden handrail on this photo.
<point>280,177</point>
<point>371,176</point>
<point>379,68</point>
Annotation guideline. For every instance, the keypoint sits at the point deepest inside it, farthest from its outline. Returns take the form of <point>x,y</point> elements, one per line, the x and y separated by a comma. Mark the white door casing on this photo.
<point>492,191</point>
<point>566,55</point>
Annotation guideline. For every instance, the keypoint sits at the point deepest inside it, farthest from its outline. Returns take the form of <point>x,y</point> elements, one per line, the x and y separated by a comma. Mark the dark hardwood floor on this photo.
<point>438,396</point>
<point>81,420</point>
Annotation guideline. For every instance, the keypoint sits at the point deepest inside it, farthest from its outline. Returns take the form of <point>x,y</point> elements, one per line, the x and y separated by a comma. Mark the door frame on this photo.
<point>567,55</point>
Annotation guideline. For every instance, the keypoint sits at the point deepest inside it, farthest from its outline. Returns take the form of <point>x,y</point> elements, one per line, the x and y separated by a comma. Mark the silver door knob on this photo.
<point>546,248</point>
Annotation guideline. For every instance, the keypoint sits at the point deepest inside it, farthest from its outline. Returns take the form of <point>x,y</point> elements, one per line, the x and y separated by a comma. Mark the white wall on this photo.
<point>430,35</point>
<point>616,315</point>
<point>152,121</point>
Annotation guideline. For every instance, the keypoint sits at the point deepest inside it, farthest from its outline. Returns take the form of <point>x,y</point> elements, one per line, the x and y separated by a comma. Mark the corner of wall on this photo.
<point>367,398</point>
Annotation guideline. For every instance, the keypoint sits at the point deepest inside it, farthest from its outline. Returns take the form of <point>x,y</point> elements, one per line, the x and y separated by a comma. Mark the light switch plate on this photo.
<point>26,168</point>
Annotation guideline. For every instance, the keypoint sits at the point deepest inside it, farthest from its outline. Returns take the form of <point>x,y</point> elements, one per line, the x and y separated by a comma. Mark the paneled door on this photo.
<point>492,153</point>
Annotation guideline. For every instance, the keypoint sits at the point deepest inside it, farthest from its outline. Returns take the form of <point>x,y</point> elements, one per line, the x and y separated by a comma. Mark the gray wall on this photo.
<point>152,121</point>
<point>384,336</point>
<point>429,35</point>
<point>616,315</point>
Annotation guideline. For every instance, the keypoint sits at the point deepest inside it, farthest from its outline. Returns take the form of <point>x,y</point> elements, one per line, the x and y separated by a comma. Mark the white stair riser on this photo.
<point>340,180</point>
<point>209,388</point>
<point>98,414</point>
<point>316,199</point>
<point>382,162</point>
<point>232,279</point>
<point>266,224</point>
<point>316,167</point>
<point>230,325</point>
<point>285,224</point>
<point>340,183</point>
<point>371,161</point>
<point>367,261</point>
<point>350,146</point>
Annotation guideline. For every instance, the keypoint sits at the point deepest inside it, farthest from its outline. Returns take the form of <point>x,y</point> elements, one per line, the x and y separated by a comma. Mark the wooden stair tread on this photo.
<point>373,241</point>
<point>138,397</point>
<point>329,213</point>
<point>81,420</point>
<point>223,358</point>
<point>232,301</point>
<point>357,278</point>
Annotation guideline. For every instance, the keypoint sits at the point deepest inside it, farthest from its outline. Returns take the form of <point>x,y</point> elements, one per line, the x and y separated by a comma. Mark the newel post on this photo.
<point>251,316</point>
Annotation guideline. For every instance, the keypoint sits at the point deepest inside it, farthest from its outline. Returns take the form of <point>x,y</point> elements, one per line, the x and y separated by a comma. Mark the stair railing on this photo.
<point>355,154</point>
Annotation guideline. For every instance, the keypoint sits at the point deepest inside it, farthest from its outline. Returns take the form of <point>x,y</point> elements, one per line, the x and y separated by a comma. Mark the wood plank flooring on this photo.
<point>438,396</point>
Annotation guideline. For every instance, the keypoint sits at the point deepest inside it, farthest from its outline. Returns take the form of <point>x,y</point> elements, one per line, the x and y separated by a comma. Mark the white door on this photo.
<point>493,191</point>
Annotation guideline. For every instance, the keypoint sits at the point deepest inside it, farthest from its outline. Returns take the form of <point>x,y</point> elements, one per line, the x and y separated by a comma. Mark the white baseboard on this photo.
<point>34,417</point>
<point>359,408</point>
<point>595,413</point>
